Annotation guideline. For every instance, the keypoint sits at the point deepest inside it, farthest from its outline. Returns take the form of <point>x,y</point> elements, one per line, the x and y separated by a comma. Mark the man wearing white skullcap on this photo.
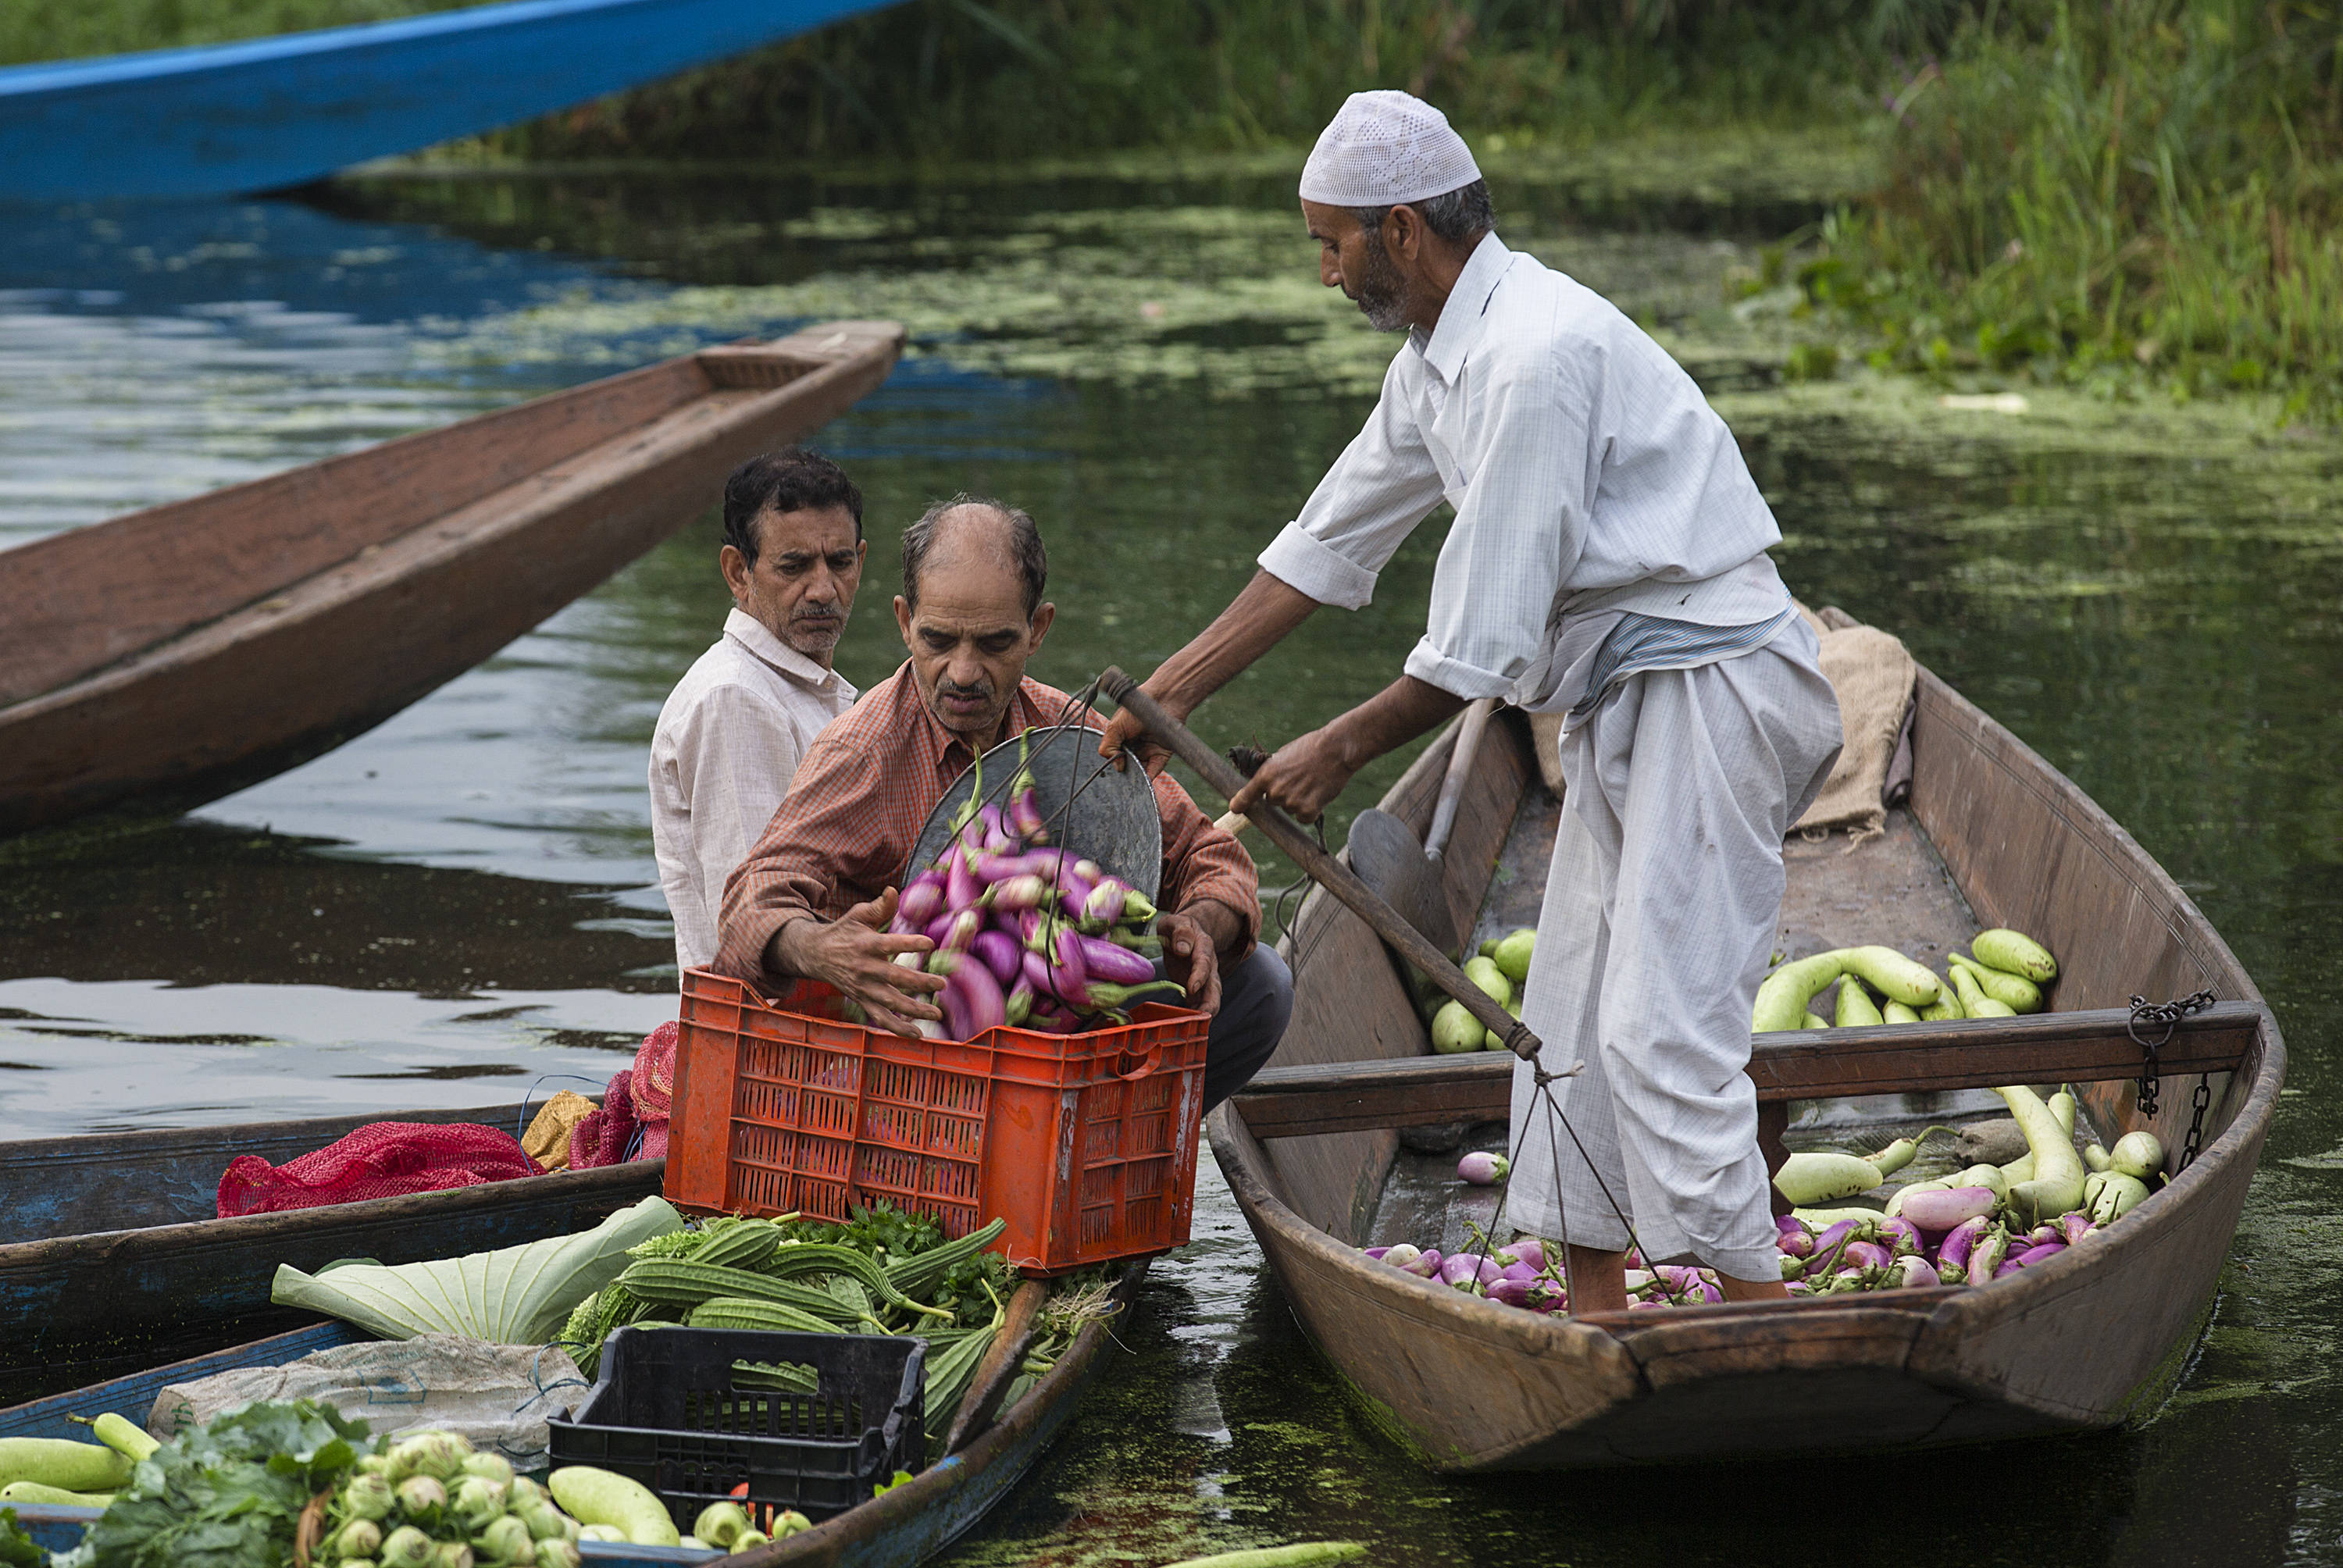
<point>1607,562</point>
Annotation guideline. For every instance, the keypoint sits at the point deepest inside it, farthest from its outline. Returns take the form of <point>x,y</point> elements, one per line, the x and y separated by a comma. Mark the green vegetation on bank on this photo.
<point>2123,195</point>
<point>50,30</point>
<point>2120,194</point>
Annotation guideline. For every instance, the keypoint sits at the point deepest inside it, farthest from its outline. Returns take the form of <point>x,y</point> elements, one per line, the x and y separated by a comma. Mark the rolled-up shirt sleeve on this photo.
<point>1200,861</point>
<point>1520,526</point>
<point>1378,490</point>
<point>822,839</point>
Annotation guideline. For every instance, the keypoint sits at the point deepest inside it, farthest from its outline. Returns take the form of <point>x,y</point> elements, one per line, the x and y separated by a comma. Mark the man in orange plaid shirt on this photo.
<point>815,894</point>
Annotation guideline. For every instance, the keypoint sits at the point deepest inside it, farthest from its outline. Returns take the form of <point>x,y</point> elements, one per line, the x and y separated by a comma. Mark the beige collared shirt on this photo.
<point>728,742</point>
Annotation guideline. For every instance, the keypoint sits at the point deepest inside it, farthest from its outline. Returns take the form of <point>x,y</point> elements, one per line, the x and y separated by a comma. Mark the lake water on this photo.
<point>2153,598</point>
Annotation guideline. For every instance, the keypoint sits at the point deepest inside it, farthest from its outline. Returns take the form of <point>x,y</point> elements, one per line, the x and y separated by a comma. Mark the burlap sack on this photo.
<point>547,1141</point>
<point>1872,672</point>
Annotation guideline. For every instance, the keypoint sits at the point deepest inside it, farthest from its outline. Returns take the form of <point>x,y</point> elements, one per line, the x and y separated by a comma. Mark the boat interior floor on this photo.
<point>1891,888</point>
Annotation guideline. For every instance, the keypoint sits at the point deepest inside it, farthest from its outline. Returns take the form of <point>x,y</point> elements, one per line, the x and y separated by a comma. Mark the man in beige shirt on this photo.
<point>733,729</point>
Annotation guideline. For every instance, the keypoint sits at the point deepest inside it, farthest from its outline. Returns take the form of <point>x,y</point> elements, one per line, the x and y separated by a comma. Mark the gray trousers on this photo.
<point>1256,999</point>
<point>1659,916</point>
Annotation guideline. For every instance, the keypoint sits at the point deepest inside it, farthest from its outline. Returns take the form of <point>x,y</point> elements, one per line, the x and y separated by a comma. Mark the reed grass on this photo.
<point>2120,193</point>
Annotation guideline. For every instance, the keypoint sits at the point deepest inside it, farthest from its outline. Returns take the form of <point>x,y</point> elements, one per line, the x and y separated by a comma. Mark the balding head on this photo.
<point>970,529</point>
<point>971,613</point>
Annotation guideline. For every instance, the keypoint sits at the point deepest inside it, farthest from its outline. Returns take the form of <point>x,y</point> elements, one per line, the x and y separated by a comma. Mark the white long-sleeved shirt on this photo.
<point>1587,472</point>
<point>728,743</point>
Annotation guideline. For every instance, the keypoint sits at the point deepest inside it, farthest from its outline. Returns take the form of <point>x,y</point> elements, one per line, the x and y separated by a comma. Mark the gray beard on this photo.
<point>1382,298</point>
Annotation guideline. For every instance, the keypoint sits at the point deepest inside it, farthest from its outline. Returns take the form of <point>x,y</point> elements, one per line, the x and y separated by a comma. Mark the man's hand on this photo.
<point>1256,620</point>
<point>1125,735</point>
<point>1193,940</point>
<point>855,956</point>
<point>1304,776</point>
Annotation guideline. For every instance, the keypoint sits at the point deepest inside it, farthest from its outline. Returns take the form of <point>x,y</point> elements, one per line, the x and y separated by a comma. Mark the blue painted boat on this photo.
<point>902,1527</point>
<point>224,118</point>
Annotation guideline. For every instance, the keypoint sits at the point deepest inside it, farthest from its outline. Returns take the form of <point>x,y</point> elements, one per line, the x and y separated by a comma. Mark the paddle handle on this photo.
<point>1322,867</point>
<point>1459,768</point>
<point>999,1366</point>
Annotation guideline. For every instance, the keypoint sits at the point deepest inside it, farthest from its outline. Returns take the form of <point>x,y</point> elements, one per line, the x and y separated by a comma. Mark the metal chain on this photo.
<point>2196,1104</point>
<point>2168,1014</point>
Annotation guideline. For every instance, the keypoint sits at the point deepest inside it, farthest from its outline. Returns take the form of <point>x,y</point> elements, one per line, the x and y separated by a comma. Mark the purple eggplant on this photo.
<point>1899,1235</point>
<point>1867,1255</point>
<point>2073,1227</point>
<point>953,1002</point>
<point>1017,1006</point>
<point>1069,978</point>
<point>2041,1253</point>
<point>2042,1235</point>
<point>1791,1236</point>
<point>1021,892</point>
<point>1516,1270</point>
<point>1025,811</point>
<point>1512,1292</point>
<point>940,928</point>
<point>1074,887</point>
<point>1960,1241</point>
<point>1104,960</point>
<point>1527,1250</point>
<point>1105,904</point>
<point>1424,1265</point>
<point>1988,1257</point>
<point>996,839</point>
<point>962,929</point>
<point>961,890</point>
<point>1037,975</point>
<point>1000,954</point>
<point>1376,1253</point>
<point>989,868</point>
<point>922,900</point>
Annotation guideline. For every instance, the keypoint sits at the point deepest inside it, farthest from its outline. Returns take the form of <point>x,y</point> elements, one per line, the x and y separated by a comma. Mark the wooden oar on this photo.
<point>1322,867</point>
<point>1408,873</point>
<point>999,1366</point>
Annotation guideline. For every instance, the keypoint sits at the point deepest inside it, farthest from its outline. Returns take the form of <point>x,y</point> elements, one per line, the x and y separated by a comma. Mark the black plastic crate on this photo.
<point>668,1412</point>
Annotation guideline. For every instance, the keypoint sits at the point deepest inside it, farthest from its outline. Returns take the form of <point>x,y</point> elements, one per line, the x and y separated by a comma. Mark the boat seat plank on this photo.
<point>1795,1064</point>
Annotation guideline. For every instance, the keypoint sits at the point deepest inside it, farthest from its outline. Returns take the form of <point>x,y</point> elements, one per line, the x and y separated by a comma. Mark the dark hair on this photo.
<point>793,479</point>
<point>1460,217</point>
<point>1026,554</point>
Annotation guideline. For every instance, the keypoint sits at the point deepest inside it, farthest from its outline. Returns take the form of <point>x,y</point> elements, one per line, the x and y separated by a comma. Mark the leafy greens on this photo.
<point>227,1495</point>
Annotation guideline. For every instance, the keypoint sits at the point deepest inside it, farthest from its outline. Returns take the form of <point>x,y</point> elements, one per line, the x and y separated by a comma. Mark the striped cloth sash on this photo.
<point>1640,643</point>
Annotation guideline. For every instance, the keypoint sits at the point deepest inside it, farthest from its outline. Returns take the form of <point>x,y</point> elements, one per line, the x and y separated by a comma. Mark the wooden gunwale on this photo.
<point>2075,1342</point>
<point>176,1274</point>
<point>270,621</point>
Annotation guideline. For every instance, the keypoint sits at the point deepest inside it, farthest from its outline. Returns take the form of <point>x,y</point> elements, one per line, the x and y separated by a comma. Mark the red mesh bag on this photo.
<point>602,1136</point>
<point>380,1160</point>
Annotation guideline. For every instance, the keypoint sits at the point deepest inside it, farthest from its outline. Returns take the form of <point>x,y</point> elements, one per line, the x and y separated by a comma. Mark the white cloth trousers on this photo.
<point>1659,916</point>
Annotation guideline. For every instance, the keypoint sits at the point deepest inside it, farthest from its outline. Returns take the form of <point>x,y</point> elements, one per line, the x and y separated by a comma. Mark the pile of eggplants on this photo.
<point>1026,934</point>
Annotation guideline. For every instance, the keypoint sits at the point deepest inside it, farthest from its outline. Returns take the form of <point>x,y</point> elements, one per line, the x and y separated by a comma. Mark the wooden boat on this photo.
<point>266,113</point>
<point>905,1525</point>
<point>1994,836</point>
<point>111,1257</point>
<point>182,652</point>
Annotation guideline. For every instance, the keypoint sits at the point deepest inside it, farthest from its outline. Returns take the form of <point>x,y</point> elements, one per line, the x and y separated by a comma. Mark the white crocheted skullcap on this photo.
<point>1383,148</point>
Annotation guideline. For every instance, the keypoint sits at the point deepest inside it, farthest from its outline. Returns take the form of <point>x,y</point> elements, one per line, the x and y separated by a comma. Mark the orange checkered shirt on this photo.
<point>865,789</point>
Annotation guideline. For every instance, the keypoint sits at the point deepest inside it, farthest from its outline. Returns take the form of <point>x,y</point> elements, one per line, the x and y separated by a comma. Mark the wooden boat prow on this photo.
<point>2091,1337</point>
<point>182,652</point>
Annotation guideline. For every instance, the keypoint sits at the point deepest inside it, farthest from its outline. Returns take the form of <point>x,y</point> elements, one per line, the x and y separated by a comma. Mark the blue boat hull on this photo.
<point>221,119</point>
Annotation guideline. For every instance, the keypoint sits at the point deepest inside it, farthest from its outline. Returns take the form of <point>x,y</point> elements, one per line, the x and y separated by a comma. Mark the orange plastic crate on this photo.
<point>1084,1143</point>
